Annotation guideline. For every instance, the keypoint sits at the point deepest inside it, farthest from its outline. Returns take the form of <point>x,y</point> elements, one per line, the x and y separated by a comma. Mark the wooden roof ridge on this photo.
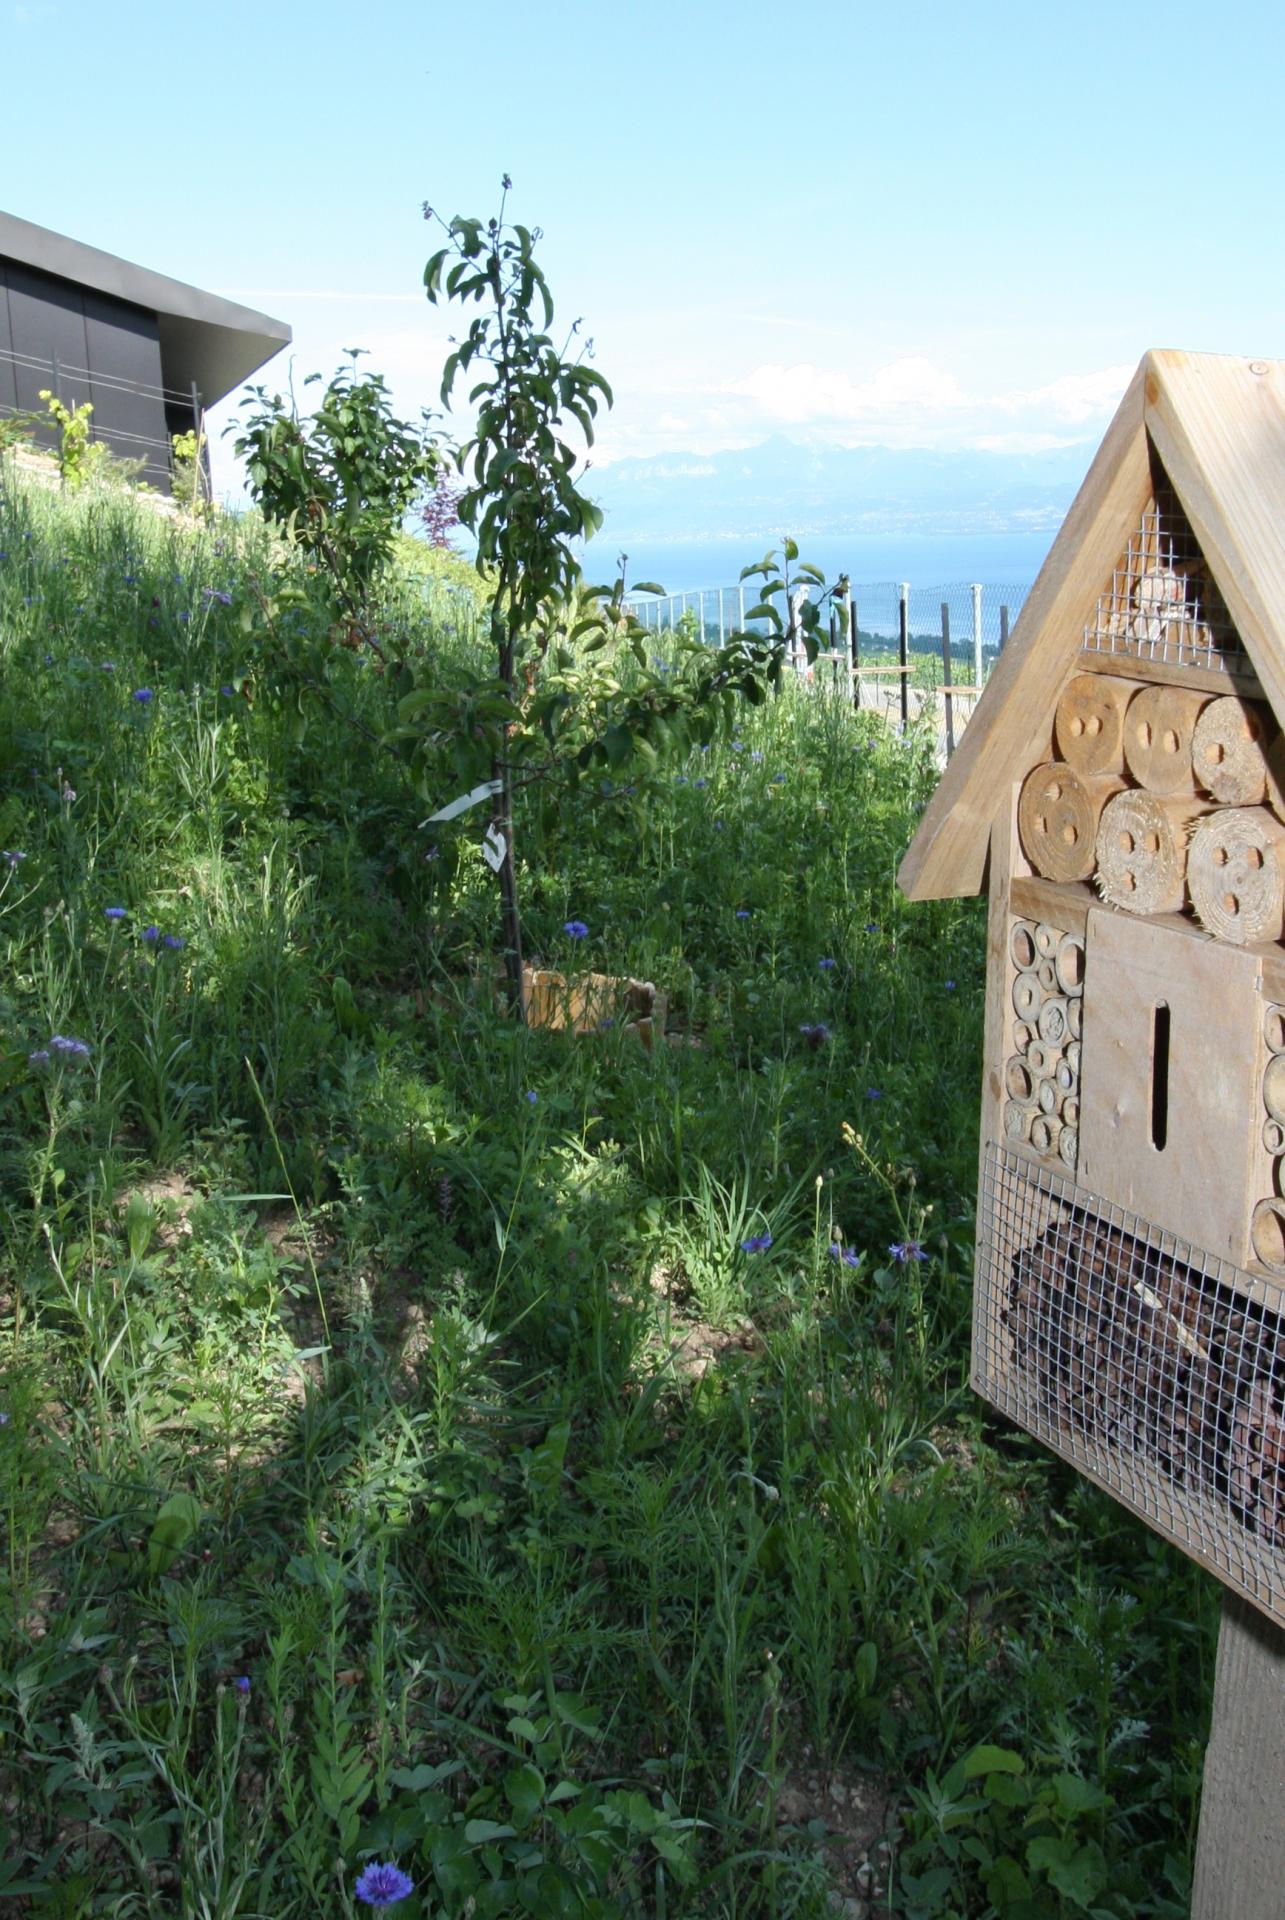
<point>1217,424</point>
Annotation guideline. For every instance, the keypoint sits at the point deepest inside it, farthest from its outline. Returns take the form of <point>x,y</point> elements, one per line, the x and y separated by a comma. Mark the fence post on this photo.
<point>903,653</point>
<point>1003,628</point>
<point>977,636</point>
<point>945,677</point>
<point>740,602</point>
<point>854,647</point>
<point>720,616</point>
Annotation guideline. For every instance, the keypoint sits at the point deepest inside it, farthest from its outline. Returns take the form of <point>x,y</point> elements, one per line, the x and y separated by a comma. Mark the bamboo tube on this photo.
<point>1228,752</point>
<point>1044,1133</point>
<point>1066,1076</point>
<point>1236,875</point>
<point>1046,940</point>
<point>1274,1088</point>
<point>1022,1036</point>
<point>1046,974</point>
<point>1040,1059</point>
<point>1267,1232</point>
<point>1026,997</point>
<point>1073,1056</point>
<point>1074,1017</point>
<point>1047,1098</point>
<point>1017,1121</point>
<point>1071,1111</point>
<point>1142,851</point>
<point>1273,1136</point>
<point>1088,730</point>
<point>1052,1021</point>
<point>1157,737</point>
<point>1057,816</point>
<point>1274,1029</point>
<point>1068,1146</point>
<point>1021,945</point>
<point>1019,1082</point>
<point>1068,964</point>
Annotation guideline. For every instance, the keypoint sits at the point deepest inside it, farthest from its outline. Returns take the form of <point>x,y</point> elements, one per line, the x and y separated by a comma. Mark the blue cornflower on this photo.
<point>144,696</point>
<point>131,579</point>
<point>950,986</point>
<point>382,1884</point>
<point>757,1243</point>
<point>107,666</point>
<point>4,1418</point>
<point>702,783</point>
<point>872,926</point>
<point>846,1256</point>
<point>742,913</point>
<point>184,617</point>
<point>174,941</point>
<point>718,826</point>
<point>815,1032</point>
<point>873,1093</point>
<point>826,965</point>
<point>227,692</point>
<point>575,929</point>
<point>680,780</point>
<point>12,857</point>
<point>531,1096</point>
<point>778,779</point>
<point>214,593</point>
<point>242,1683</point>
<point>115,913</point>
<point>757,757</point>
<point>150,935</point>
<point>903,1251</point>
<point>738,746</point>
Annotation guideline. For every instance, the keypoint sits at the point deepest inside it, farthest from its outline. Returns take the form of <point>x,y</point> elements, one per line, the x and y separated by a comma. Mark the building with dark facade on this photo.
<point>150,353</point>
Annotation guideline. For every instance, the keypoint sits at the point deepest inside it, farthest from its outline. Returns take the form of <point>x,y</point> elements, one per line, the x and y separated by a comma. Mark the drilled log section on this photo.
<point>1057,818</point>
<point>1236,875</point>
<point>1017,1120</point>
<point>1088,729</point>
<point>1228,751</point>
<point>1142,852</point>
<point>1158,730</point>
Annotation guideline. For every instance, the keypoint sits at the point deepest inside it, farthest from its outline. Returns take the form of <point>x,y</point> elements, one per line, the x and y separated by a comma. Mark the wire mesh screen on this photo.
<point>1162,604</point>
<point>1157,1370</point>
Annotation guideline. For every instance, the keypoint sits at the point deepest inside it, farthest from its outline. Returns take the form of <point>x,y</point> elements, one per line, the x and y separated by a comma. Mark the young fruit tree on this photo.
<point>573,687</point>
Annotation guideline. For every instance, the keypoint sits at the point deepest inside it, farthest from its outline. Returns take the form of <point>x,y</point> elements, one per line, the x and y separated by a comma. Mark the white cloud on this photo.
<point>1075,400</point>
<point>802,394</point>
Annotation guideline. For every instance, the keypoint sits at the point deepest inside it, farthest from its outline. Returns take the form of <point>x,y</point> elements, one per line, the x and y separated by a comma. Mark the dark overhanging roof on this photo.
<point>212,342</point>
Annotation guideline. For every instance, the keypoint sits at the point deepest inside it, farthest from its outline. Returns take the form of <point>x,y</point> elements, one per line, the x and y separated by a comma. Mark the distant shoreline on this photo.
<point>684,565</point>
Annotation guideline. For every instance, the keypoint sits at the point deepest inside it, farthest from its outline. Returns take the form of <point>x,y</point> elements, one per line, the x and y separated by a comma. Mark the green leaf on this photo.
<point>646,586</point>
<point>173,1527</point>
<point>992,1760</point>
<point>524,1791</point>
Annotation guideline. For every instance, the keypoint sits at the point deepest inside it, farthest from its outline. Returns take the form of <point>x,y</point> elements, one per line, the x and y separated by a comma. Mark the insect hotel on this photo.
<point>1120,797</point>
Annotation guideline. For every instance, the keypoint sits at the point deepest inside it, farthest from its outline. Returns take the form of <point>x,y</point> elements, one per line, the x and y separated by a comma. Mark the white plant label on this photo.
<point>494,849</point>
<point>485,791</point>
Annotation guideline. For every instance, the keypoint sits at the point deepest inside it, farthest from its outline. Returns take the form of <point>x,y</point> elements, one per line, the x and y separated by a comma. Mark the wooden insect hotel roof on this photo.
<point>1207,429</point>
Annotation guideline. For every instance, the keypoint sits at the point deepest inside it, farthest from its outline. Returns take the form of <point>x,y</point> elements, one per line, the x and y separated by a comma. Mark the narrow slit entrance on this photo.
<point>1160,1075</point>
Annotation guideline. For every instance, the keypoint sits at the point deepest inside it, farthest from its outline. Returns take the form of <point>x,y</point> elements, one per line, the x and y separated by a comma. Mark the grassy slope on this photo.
<point>496,1453</point>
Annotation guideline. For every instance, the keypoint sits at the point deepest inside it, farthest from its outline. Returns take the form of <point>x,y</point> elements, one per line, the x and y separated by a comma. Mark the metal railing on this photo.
<point>74,385</point>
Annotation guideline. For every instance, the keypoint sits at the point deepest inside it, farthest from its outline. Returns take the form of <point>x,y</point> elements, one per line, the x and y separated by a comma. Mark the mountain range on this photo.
<point>836,490</point>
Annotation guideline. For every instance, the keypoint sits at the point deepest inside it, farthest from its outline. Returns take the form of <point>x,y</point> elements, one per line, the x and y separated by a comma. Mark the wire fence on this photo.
<point>73,385</point>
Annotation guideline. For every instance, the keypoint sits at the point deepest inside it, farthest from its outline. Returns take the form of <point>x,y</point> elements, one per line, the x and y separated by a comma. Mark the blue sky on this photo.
<point>929,225</point>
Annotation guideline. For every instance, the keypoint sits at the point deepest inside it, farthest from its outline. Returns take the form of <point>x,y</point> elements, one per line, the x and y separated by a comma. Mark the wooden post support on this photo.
<point>903,653</point>
<point>855,642</point>
<point>1003,628</point>
<point>1240,1851</point>
<point>945,677</point>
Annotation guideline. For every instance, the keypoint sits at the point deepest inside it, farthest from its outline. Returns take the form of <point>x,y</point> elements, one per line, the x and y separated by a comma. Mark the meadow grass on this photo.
<point>535,1461</point>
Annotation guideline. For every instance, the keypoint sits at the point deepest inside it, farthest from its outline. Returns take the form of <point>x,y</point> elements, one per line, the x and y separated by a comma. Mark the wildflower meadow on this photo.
<point>469,1468</point>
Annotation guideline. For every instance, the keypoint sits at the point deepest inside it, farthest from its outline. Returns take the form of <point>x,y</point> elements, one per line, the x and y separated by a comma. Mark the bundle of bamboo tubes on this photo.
<point>1042,1073</point>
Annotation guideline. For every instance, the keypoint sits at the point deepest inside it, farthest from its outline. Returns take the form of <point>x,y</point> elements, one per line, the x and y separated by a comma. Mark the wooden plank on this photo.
<point>1127,666</point>
<point>1013,724</point>
<point>945,677</point>
<point>1240,1852</point>
<point>1170,1112</point>
<point>1218,424</point>
<point>996,1027</point>
<point>1063,904</point>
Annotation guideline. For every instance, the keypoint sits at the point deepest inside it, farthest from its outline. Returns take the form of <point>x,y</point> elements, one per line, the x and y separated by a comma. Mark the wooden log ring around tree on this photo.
<point>1236,875</point>
<point>1228,751</point>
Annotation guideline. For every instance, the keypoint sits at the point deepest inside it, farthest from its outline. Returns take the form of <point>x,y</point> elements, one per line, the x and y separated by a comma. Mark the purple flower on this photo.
<point>873,1093</point>
<point>742,913</point>
<point>757,1243</point>
<point>150,935</point>
<point>115,913</point>
<point>40,1058</point>
<point>67,1048</point>
<point>227,692</point>
<point>531,1096</point>
<point>382,1884</point>
<point>903,1251</point>
<point>826,965</point>
<point>575,929</point>
<point>174,941</point>
<point>144,696</point>
<point>718,826</point>
<point>214,593</point>
<point>11,857</point>
<point>846,1256</point>
<point>872,926</point>
<point>108,666</point>
<point>815,1032</point>
<point>242,1683</point>
<point>950,986</point>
